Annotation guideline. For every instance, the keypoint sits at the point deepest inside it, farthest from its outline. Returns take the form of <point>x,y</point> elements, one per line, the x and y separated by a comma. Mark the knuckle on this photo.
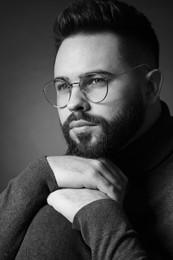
<point>96,176</point>
<point>103,160</point>
<point>108,186</point>
<point>98,164</point>
<point>92,177</point>
<point>112,188</point>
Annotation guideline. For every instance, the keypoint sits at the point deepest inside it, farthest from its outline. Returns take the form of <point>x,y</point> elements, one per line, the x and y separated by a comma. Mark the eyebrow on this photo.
<point>102,72</point>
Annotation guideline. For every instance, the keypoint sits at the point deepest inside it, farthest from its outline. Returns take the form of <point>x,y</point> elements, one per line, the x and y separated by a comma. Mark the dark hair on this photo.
<point>92,16</point>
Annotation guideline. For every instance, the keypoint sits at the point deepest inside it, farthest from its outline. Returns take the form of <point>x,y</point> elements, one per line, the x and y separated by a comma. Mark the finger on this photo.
<point>105,172</point>
<point>99,174</point>
<point>113,169</point>
<point>107,187</point>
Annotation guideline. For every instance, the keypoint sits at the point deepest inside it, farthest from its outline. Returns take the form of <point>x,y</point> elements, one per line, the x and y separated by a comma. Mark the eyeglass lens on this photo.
<point>94,88</point>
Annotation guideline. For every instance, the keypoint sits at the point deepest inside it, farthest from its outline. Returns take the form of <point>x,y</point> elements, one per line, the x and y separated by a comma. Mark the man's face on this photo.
<point>95,129</point>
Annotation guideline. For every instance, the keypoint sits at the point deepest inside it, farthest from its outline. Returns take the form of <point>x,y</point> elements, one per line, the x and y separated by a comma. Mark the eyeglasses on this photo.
<point>94,87</point>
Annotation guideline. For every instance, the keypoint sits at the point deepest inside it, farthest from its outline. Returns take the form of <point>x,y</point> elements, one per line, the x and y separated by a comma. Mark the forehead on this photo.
<point>85,53</point>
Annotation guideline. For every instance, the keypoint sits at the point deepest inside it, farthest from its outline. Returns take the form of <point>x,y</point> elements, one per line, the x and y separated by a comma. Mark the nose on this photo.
<point>77,101</point>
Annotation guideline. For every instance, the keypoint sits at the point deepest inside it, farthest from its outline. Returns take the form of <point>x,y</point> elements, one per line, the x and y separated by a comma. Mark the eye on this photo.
<point>94,82</point>
<point>61,86</point>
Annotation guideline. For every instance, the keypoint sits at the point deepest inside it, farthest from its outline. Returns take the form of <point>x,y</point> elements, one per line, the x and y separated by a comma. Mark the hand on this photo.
<point>77,172</point>
<point>69,201</point>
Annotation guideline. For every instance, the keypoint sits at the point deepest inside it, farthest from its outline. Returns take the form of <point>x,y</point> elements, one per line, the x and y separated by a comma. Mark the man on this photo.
<point>110,196</point>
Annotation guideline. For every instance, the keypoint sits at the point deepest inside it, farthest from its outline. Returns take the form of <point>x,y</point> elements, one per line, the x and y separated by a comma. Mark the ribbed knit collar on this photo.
<point>150,150</point>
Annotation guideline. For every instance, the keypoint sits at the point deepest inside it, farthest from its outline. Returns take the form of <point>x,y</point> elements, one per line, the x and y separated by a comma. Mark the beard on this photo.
<point>114,135</point>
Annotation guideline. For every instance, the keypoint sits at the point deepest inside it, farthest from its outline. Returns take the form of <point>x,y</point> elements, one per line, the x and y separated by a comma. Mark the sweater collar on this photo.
<point>150,150</point>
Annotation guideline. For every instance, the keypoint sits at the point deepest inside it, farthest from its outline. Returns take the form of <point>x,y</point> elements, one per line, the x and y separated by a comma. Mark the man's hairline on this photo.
<point>124,41</point>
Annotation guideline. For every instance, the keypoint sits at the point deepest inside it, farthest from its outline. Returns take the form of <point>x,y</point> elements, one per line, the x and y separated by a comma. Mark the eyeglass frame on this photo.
<point>83,90</point>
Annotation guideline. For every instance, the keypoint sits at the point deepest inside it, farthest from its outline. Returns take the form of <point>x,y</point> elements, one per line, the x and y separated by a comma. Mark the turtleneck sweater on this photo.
<point>31,229</point>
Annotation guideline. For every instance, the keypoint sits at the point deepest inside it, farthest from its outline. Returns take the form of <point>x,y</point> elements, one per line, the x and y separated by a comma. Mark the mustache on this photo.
<point>83,116</point>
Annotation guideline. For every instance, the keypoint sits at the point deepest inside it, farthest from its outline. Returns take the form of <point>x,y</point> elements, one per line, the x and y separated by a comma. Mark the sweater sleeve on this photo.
<point>106,230</point>
<point>19,203</point>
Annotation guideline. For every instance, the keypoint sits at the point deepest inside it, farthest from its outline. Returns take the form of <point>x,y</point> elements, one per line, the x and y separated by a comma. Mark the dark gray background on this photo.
<point>29,126</point>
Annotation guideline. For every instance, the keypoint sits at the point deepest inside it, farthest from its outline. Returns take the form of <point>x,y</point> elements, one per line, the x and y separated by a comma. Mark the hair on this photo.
<point>97,16</point>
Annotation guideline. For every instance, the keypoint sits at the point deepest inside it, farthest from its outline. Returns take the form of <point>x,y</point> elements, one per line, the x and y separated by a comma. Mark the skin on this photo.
<point>102,51</point>
<point>101,179</point>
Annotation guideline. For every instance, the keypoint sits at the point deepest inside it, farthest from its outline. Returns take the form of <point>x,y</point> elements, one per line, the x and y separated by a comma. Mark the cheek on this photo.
<point>119,93</point>
<point>63,115</point>
<point>106,110</point>
<point>118,98</point>
<point>113,106</point>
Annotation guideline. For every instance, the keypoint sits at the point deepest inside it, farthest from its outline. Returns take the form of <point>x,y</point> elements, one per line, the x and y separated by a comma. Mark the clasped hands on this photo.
<point>82,181</point>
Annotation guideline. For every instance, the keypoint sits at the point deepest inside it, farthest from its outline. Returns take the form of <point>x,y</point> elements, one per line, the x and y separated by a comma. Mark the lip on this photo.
<point>80,123</point>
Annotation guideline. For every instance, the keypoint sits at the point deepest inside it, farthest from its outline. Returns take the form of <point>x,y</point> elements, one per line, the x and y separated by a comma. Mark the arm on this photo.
<point>106,230</point>
<point>101,221</point>
<point>19,203</point>
<point>28,192</point>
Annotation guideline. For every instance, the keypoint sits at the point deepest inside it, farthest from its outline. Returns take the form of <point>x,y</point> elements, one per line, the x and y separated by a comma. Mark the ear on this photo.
<point>154,80</point>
